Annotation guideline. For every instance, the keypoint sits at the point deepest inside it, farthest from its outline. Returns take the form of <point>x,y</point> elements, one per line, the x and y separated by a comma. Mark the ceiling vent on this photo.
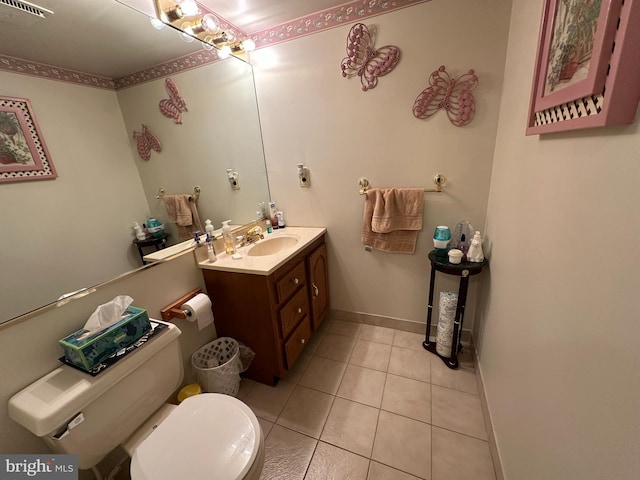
<point>21,13</point>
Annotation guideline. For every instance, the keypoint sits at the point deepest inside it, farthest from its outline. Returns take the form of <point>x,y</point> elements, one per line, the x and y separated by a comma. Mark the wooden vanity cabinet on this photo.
<point>274,314</point>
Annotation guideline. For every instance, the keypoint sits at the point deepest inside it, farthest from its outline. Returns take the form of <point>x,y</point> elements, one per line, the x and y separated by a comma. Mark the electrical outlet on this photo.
<point>305,178</point>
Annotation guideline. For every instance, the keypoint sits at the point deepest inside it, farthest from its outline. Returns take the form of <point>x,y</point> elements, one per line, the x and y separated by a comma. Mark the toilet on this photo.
<point>207,436</point>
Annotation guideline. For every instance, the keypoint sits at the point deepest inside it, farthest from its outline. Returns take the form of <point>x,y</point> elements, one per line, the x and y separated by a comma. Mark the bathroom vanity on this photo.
<point>272,300</point>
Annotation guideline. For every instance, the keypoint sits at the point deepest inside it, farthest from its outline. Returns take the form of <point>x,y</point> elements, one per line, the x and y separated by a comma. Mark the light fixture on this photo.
<point>196,22</point>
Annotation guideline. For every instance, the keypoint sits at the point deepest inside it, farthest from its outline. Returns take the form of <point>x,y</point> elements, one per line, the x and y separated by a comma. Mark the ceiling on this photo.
<point>110,39</point>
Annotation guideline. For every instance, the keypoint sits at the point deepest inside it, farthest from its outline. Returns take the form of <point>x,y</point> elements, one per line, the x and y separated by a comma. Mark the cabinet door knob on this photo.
<point>299,310</point>
<point>296,281</point>
<point>302,340</point>
<point>316,292</point>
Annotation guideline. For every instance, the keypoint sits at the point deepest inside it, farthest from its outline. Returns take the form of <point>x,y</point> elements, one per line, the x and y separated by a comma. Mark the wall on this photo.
<point>221,130</point>
<point>558,348</point>
<point>29,350</point>
<point>80,223</point>
<point>311,114</point>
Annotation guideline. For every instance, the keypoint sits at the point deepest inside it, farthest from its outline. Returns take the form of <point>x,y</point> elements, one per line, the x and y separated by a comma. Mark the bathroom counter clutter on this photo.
<point>464,270</point>
<point>265,256</point>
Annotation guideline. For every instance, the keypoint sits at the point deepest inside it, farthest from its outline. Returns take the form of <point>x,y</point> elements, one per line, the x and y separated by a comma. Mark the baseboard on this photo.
<point>391,322</point>
<point>493,445</point>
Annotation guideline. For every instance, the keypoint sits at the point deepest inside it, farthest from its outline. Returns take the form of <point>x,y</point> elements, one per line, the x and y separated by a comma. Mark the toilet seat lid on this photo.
<point>207,436</point>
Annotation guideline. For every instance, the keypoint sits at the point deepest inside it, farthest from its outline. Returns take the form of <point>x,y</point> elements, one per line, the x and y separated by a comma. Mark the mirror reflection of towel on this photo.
<point>182,210</point>
<point>392,219</point>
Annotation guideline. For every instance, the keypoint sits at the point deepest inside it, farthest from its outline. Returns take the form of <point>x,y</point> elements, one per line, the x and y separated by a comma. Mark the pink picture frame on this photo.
<point>586,71</point>
<point>23,153</point>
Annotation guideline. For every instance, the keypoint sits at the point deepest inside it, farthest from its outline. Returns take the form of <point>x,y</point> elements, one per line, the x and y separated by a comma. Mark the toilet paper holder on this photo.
<point>173,310</point>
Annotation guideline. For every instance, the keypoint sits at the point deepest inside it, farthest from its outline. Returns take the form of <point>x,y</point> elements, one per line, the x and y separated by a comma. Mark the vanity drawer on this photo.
<point>293,311</point>
<point>297,342</point>
<point>291,282</point>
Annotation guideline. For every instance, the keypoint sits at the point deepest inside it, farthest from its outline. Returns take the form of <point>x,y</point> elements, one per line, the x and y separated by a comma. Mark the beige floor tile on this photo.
<point>362,385</point>
<point>410,363</point>
<point>335,347</point>
<point>295,374</point>
<point>371,355</point>
<point>459,457</point>
<point>378,471</point>
<point>463,379</point>
<point>306,411</point>
<point>267,402</point>
<point>408,340</point>
<point>266,426</point>
<point>287,454</point>
<point>348,329</point>
<point>407,397</point>
<point>323,374</point>
<point>373,333</point>
<point>333,463</point>
<point>246,384</point>
<point>351,426</point>
<point>457,411</point>
<point>404,444</point>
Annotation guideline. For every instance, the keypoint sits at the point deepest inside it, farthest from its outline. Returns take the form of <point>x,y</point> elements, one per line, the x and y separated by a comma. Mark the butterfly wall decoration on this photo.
<point>452,95</point>
<point>173,106</point>
<point>365,61</point>
<point>146,141</point>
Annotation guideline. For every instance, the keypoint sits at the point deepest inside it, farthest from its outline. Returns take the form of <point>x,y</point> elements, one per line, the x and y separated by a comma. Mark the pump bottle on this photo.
<point>229,246</point>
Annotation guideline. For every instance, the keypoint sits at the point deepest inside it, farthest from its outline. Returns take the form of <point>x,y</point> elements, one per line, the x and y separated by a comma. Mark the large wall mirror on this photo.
<point>75,232</point>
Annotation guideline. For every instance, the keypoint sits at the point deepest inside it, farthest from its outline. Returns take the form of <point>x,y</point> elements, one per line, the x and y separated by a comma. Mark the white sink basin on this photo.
<point>271,246</point>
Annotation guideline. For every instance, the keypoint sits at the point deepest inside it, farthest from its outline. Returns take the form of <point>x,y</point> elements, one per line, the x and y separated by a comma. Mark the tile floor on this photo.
<point>366,402</point>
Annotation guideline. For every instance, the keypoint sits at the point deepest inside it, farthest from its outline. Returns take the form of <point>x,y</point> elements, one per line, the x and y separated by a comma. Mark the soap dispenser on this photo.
<point>208,227</point>
<point>211,251</point>
<point>229,246</point>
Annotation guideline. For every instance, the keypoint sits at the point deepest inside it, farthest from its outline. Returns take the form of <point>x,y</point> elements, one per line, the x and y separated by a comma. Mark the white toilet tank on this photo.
<point>102,411</point>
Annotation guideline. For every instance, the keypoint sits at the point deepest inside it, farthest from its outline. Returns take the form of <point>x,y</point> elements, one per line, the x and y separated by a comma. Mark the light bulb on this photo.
<point>229,36</point>
<point>188,8</point>
<point>248,45</point>
<point>186,37</point>
<point>210,23</point>
<point>224,52</point>
<point>157,24</point>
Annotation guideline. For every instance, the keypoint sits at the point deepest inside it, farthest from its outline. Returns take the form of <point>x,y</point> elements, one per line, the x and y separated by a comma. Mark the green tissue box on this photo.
<point>88,352</point>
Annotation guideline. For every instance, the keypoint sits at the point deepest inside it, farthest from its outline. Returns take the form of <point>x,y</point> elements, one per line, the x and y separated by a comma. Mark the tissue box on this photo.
<point>88,352</point>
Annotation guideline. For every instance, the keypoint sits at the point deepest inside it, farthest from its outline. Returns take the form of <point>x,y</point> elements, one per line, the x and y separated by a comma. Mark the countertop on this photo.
<point>267,264</point>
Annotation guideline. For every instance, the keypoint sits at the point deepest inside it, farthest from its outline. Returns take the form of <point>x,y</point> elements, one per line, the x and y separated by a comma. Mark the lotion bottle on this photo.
<point>229,246</point>
<point>208,227</point>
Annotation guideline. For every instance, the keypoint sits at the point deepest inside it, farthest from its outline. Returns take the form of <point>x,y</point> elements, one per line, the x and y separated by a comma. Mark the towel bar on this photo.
<point>439,180</point>
<point>196,193</point>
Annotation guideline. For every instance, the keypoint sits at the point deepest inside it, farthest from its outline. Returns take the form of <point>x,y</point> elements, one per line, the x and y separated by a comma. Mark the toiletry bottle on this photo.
<point>229,246</point>
<point>273,215</point>
<point>269,229</point>
<point>211,252</point>
<point>208,227</point>
<point>280,219</point>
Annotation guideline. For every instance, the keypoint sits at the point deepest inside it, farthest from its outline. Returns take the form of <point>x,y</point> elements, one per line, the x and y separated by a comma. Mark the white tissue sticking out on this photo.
<point>106,314</point>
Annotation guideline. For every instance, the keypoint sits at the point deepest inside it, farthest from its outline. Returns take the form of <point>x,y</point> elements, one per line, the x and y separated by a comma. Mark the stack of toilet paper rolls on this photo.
<point>446,318</point>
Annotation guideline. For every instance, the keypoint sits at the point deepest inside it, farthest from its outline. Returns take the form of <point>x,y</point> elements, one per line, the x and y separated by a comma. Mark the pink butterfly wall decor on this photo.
<point>173,106</point>
<point>452,95</point>
<point>146,141</point>
<point>365,61</point>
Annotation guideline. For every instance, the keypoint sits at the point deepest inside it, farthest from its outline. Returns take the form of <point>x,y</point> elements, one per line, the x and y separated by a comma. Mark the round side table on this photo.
<point>464,270</point>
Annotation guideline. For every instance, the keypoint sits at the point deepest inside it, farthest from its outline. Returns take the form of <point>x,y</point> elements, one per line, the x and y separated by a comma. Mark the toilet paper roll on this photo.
<point>199,310</point>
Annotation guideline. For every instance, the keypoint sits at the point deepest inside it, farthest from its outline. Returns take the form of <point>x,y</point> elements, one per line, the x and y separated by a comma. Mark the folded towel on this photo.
<point>392,219</point>
<point>182,210</point>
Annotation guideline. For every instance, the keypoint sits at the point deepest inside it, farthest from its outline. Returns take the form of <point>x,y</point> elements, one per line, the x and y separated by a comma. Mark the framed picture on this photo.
<point>586,72</point>
<point>23,153</point>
